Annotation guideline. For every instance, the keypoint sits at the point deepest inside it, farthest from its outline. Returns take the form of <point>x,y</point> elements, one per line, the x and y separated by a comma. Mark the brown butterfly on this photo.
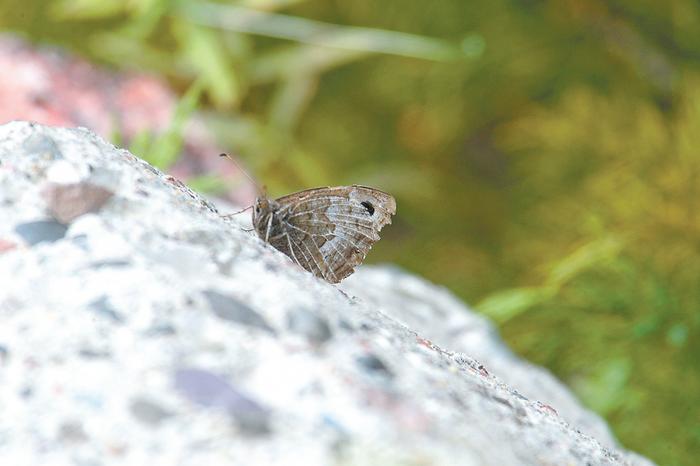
<point>328,231</point>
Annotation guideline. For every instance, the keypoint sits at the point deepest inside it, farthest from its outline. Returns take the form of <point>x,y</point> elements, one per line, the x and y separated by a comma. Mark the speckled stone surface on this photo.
<point>150,331</point>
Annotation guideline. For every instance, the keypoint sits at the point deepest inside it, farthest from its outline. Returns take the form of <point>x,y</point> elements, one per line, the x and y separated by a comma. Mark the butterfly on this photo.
<point>327,231</point>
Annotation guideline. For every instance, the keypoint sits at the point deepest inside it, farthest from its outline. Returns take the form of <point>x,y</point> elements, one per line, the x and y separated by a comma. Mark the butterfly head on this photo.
<point>263,210</point>
<point>261,206</point>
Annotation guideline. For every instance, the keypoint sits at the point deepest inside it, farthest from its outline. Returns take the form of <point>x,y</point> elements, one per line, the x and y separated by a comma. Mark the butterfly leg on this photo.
<point>269,228</point>
<point>235,213</point>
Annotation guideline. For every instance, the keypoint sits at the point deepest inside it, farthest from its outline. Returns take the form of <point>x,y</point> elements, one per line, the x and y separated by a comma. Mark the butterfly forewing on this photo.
<point>328,231</point>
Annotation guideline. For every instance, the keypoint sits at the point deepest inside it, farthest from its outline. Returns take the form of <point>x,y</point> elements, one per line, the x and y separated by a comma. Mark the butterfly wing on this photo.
<point>329,231</point>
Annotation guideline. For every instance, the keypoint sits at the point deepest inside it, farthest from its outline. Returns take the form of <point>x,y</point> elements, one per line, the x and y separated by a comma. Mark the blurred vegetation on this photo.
<point>544,156</point>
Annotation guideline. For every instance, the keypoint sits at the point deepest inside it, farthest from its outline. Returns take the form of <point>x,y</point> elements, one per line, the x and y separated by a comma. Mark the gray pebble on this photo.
<point>91,353</point>
<point>373,364</point>
<point>148,412</point>
<point>104,308</point>
<point>72,432</point>
<point>208,389</point>
<point>43,145</point>
<point>308,324</point>
<point>161,330</point>
<point>4,354</point>
<point>110,263</point>
<point>228,308</point>
<point>41,231</point>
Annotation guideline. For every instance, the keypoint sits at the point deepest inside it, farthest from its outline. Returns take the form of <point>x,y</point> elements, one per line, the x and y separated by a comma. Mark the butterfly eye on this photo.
<point>368,206</point>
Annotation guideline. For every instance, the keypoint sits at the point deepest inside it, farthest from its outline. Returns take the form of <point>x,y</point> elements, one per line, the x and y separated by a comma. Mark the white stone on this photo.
<point>111,352</point>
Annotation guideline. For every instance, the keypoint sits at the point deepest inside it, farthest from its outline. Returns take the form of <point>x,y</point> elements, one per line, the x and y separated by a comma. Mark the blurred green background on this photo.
<point>544,157</point>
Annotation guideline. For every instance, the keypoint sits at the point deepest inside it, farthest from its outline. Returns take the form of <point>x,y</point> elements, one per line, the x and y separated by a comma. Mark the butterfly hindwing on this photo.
<point>329,231</point>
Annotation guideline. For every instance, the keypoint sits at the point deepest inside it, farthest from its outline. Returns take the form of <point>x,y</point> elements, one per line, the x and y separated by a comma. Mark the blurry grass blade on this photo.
<point>588,255</point>
<point>299,58</point>
<point>245,133</point>
<point>290,100</point>
<point>141,144</point>
<point>116,135</point>
<point>504,305</point>
<point>128,45</point>
<point>146,16</point>
<point>123,50</point>
<point>269,5</point>
<point>239,19</point>
<point>87,9</point>
<point>165,150</point>
<point>206,53</point>
<point>208,184</point>
<point>604,390</point>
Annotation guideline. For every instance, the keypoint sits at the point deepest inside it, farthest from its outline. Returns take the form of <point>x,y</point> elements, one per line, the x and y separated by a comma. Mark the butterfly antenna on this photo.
<point>255,183</point>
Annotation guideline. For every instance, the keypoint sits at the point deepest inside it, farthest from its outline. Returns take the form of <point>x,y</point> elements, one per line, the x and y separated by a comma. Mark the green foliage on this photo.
<point>164,150</point>
<point>506,304</point>
<point>543,155</point>
<point>209,184</point>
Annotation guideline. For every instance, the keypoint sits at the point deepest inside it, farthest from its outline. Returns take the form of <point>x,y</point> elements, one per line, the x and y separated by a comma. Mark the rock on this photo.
<point>143,333</point>
<point>440,318</point>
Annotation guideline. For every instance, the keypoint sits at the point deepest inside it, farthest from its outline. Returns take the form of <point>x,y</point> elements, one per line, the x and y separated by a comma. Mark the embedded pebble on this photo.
<point>66,202</point>
<point>373,364</point>
<point>72,432</point>
<point>104,308</point>
<point>228,308</point>
<point>4,354</point>
<point>110,263</point>
<point>41,231</point>
<point>148,412</point>
<point>309,325</point>
<point>208,389</point>
<point>41,144</point>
